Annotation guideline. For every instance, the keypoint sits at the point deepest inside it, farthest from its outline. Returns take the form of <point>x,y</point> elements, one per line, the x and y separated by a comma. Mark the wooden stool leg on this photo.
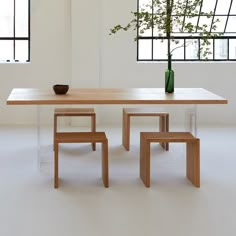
<point>126,130</point>
<point>193,162</point>
<point>54,130</point>
<point>162,128</point>
<point>145,161</point>
<point>167,129</point>
<point>105,172</point>
<point>56,182</point>
<point>93,129</point>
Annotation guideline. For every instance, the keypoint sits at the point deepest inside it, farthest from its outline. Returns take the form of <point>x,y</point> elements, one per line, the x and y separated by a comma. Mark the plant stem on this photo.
<point>168,80</point>
<point>168,27</point>
<point>169,61</point>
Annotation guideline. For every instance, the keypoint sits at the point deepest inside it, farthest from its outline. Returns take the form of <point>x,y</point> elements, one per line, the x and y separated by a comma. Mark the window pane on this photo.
<point>232,49</point>
<point>205,21</point>
<point>178,49</point>
<point>231,24</point>
<point>192,49</point>
<point>233,8</point>
<point>206,48</point>
<point>160,49</point>
<point>221,49</point>
<point>190,20</point>
<point>223,7</point>
<point>6,18</point>
<point>147,33</point>
<point>179,7</point>
<point>157,32</point>
<point>196,10</point>
<point>21,18</point>
<point>6,49</point>
<point>144,3</point>
<point>21,48</point>
<point>145,49</point>
<point>220,26</point>
<point>208,5</point>
<point>177,27</point>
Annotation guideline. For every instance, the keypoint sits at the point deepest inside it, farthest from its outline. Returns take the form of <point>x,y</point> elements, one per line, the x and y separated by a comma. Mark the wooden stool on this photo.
<point>76,112</point>
<point>192,153</point>
<point>128,112</point>
<point>82,137</point>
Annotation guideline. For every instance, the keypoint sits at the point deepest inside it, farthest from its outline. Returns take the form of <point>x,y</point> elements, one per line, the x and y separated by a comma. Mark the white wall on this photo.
<point>71,44</point>
<point>50,58</point>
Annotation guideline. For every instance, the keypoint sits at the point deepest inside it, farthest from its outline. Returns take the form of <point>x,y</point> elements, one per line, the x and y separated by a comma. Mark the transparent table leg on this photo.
<point>191,119</point>
<point>44,138</point>
<point>39,136</point>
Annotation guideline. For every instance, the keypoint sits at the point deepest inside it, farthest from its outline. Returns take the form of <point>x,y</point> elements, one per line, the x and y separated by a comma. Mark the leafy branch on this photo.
<point>165,17</point>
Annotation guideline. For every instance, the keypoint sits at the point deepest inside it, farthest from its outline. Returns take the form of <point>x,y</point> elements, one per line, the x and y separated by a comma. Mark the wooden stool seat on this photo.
<point>74,111</point>
<point>58,112</point>
<point>82,137</point>
<point>192,153</point>
<point>143,111</point>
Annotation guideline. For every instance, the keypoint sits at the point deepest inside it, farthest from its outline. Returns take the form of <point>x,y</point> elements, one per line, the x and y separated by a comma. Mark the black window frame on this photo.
<point>14,38</point>
<point>198,38</point>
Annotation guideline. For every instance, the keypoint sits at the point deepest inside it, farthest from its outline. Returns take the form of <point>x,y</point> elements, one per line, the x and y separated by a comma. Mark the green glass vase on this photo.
<point>169,81</point>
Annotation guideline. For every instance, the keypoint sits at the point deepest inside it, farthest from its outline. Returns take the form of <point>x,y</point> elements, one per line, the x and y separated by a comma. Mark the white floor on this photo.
<point>30,206</point>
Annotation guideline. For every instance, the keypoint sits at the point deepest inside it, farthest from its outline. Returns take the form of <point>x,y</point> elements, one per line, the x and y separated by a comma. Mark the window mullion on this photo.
<point>226,22</point>
<point>213,16</point>
<point>228,49</point>
<point>198,19</point>
<point>29,37</point>
<point>138,31</point>
<point>152,29</point>
<point>199,48</point>
<point>184,49</point>
<point>213,49</point>
<point>14,30</point>
<point>185,11</point>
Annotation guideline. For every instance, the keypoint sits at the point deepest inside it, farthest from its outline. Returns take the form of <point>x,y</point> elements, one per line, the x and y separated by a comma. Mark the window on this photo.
<point>14,30</point>
<point>151,46</point>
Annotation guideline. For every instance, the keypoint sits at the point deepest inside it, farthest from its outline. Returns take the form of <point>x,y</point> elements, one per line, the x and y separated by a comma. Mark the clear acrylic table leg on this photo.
<point>44,139</point>
<point>39,136</point>
<point>191,119</point>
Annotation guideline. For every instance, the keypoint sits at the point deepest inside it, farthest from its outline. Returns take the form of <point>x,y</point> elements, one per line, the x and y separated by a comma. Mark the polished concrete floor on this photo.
<point>30,206</point>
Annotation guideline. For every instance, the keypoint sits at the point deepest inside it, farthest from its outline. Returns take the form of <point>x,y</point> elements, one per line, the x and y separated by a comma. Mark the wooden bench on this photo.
<point>192,153</point>
<point>128,112</point>
<point>58,112</point>
<point>82,137</point>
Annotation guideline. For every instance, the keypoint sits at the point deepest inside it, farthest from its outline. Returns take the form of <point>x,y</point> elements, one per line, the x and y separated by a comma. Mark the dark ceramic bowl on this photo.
<point>60,88</point>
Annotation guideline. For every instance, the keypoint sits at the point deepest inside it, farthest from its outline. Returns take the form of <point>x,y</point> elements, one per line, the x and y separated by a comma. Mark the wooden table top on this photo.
<point>34,96</point>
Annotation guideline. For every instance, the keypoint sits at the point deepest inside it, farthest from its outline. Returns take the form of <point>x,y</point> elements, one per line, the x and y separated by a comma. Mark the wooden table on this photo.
<point>193,96</point>
<point>32,96</point>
